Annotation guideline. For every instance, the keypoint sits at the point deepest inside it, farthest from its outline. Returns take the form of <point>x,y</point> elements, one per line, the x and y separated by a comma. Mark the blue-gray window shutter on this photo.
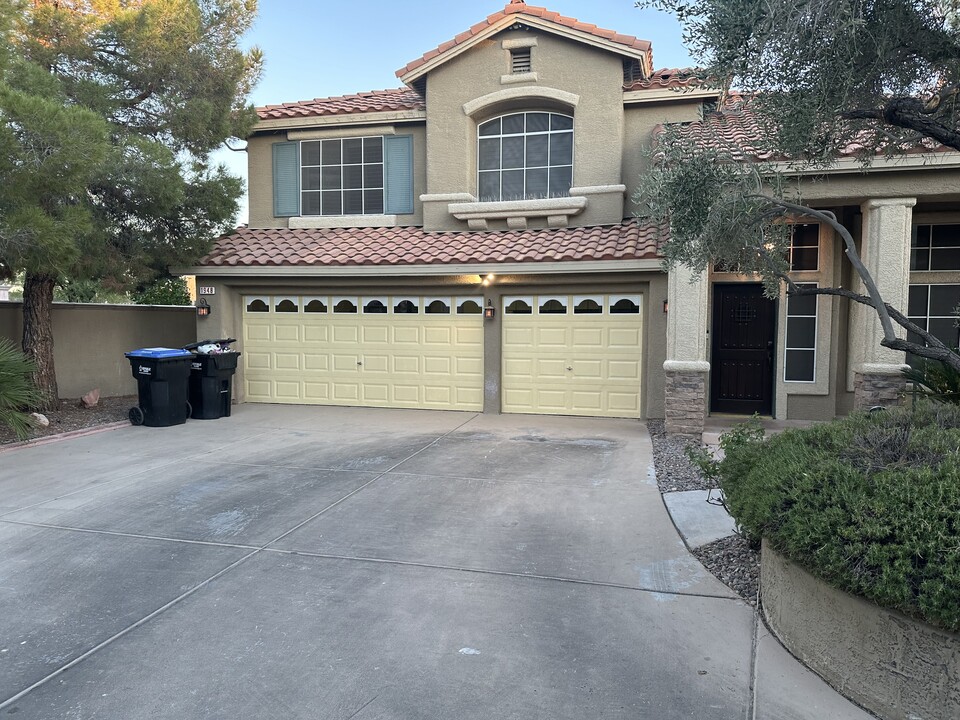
<point>286,179</point>
<point>398,174</point>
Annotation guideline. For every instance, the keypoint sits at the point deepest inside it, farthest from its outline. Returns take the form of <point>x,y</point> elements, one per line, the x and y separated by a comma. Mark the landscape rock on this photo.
<point>39,420</point>
<point>91,398</point>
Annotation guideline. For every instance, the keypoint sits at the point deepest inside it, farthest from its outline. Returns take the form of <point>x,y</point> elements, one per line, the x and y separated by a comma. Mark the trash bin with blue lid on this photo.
<point>162,376</point>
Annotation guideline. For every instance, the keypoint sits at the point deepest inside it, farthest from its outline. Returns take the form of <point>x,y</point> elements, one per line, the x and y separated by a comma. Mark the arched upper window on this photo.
<point>525,156</point>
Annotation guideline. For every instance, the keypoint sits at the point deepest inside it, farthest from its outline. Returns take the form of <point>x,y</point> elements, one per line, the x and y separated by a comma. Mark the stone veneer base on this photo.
<point>685,403</point>
<point>877,390</point>
<point>895,666</point>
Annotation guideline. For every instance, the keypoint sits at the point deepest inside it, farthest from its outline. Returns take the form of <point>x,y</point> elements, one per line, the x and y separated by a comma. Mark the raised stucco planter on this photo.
<point>893,665</point>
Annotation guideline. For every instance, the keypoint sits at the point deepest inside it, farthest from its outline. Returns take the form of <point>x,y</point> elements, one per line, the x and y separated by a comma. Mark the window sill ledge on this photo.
<point>516,212</point>
<point>342,221</point>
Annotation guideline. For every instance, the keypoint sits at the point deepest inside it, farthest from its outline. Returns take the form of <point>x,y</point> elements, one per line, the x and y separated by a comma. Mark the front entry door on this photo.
<point>744,333</point>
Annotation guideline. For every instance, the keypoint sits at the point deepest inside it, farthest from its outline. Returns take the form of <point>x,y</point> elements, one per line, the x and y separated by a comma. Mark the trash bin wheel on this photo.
<point>189,411</point>
<point>136,416</point>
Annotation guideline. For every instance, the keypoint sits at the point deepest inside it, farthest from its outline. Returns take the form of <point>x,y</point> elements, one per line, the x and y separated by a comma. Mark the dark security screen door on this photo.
<point>743,344</point>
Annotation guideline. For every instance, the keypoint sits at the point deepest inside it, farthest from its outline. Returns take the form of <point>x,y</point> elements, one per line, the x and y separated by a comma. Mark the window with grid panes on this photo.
<point>935,247</point>
<point>805,247</point>
<point>800,352</point>
<point>343,176</point>
<point>525,156</point>
<point>933,308</point>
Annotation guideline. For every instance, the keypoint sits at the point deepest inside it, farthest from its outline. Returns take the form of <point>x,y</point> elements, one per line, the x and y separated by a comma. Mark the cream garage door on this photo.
<point>572,355</point>
<point>412,352</point>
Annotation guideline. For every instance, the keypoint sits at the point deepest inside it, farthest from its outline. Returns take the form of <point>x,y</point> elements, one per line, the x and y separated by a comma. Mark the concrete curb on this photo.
<point>64,436</point>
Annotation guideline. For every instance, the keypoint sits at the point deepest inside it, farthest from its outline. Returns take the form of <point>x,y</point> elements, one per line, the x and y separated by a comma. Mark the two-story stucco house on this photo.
<point>467,242</point>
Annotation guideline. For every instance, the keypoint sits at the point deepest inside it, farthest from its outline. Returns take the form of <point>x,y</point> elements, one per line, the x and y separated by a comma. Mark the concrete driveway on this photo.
<point>296,562</point>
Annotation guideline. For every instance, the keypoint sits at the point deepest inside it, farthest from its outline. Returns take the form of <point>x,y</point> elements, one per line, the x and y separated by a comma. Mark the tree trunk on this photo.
<point>38,335</point>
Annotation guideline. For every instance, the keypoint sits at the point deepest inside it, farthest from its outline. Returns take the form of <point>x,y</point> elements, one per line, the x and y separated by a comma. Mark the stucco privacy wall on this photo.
<point>593,76</point>
<point>260,165</point>
<point>895,666</point>
<point>90,340</point>
<point>227,316</point>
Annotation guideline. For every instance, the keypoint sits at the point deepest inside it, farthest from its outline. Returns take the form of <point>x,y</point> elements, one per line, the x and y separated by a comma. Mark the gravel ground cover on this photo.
<point>71,415</point>
<point>732,560</point>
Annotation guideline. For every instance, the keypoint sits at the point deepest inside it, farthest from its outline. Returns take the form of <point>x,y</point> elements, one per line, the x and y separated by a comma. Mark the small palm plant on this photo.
<point>17,391</point>
<point>935,380</point>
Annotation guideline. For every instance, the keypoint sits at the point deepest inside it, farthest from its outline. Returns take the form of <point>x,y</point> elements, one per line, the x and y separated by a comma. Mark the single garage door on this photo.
<point>412,352</point>
<point>572,355</point>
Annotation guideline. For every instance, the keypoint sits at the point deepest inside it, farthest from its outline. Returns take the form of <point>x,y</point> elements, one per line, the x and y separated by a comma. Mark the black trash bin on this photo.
<point>211,384</point>
<point>161,375</point>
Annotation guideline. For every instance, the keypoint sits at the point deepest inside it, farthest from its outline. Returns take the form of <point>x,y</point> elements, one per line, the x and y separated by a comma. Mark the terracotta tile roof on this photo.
<point>337,247</point>
<point>517,7</point>
<point>666,78</point>
<point>365,102</point>
<point>737,130</point>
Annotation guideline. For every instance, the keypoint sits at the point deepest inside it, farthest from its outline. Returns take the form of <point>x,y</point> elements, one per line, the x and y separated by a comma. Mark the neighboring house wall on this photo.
<point>90,340</point>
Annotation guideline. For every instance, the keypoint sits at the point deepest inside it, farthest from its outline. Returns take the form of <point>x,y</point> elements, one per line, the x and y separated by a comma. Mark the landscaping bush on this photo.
<point>17,391</point>
<point>869,503</point>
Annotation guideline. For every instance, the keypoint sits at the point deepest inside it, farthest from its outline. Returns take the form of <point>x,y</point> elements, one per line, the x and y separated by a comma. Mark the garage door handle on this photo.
<point>359,362</point>
<point>569,367</point>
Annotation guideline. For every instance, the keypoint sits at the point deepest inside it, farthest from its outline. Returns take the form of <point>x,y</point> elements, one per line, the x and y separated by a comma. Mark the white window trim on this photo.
<point>816,337</point>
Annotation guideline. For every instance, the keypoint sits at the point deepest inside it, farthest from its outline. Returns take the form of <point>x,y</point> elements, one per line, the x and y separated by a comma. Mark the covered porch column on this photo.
<point>885,250</point>
<point>686,367</point>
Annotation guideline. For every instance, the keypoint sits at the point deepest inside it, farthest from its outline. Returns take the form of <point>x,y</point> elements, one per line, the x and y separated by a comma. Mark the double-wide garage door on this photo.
<point>416,352</point>
<point>561,354</point>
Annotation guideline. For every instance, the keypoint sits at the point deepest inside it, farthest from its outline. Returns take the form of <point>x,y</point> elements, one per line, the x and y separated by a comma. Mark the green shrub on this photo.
<point>869,503</point>
<point>934,379</point>
<point>165,291</point>
<point>17,391</point>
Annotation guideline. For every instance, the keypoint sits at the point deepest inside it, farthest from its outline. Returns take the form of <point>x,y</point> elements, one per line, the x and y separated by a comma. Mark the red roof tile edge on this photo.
<point>412,246</point>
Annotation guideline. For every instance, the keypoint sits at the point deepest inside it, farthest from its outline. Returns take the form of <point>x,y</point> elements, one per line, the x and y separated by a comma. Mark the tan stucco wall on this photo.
<point>260,168</point>
<point>594,76</point>
<point>640,120</point>
<point>90,340</point>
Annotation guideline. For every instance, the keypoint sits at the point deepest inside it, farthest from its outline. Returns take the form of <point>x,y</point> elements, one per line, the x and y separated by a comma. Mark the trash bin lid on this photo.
<point>158,352</point>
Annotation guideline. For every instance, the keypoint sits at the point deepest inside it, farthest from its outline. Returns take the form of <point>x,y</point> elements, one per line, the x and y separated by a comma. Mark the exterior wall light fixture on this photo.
<point>666,307</point>
<point>203,308</point>
<point>489,312</point>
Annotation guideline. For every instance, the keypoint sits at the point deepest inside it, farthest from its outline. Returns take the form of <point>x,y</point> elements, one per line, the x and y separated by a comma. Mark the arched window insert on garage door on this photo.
<point>518,305</point>
<point>345,305</point>
<point>552,305</point>
<point>406,305</point>
<point>624,304</point>
<point>469,306</point>
<point>436,306</point>
<point>375,306</point>
<point>315,304</point>
<point>258,304</point>
<point>525,156</point>
<point>286,304</point>
<point>588,305</point>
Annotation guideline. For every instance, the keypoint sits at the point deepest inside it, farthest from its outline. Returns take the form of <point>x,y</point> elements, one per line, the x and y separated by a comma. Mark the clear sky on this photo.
<point>321,48</point>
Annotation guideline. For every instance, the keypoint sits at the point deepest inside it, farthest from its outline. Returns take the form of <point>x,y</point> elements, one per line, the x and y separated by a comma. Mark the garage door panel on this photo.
<point>375,334</point>
<point>346,363</point>
<point>548,369</point>
<point>436,365</point>
<point>518,336</point>
<point>316,362</point>
<point>547,337</point>
<point>517,367</point>
<point>627,370</point>
<point>383,360</point>
<point>624,337</point>
<point>586,401</point>
<point>346,334</point>
<point>286,361</point>
<point>588,369</point>
<point>406,335</point>
<point>253,333</point>
<point>287,333</point>
<point>376,393</point>
<point>588,337</point>
<point>552,400</point>
<point>436,336</point>
<point>316,390</point>
<point>626,402</point>
<point>316,333</point>
<point>406,364</point>
<point>376,363</point>
<point>286,389</point>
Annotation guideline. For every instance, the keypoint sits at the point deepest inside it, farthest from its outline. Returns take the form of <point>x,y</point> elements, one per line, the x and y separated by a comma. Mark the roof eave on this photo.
<point>641,54</point>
